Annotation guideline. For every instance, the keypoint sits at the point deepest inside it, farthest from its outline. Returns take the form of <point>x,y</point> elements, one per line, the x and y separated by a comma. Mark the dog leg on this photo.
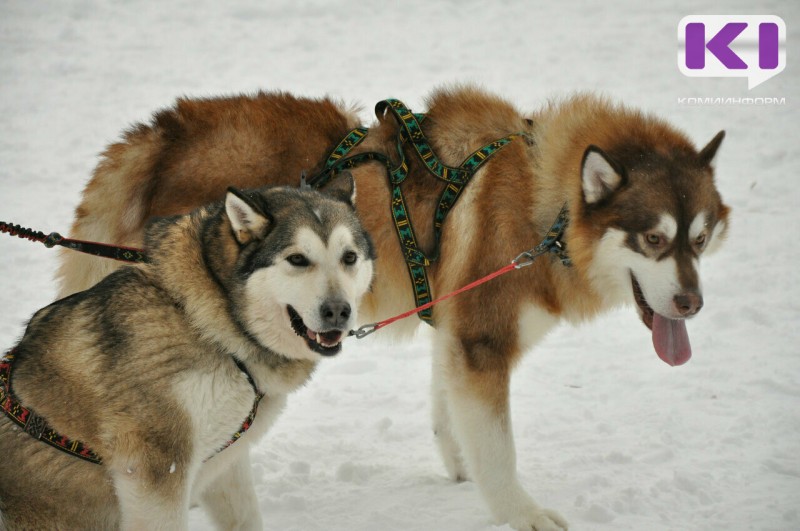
<point>478,400</point>
<point>230,500</point>
<point>442,430</point>
<point>152,472</point>
<point>154,500</point>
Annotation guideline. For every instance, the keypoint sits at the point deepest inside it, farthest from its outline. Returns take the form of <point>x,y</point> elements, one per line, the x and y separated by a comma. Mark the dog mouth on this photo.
<point>328,343</point>
<point>645,311</point>
<point>670,338</point>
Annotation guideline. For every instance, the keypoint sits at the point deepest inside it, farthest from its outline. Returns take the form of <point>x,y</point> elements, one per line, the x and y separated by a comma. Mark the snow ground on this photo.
<point>605,432</point>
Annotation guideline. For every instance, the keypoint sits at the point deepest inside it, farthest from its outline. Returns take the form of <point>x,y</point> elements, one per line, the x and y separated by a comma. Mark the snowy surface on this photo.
<point>605,432</point>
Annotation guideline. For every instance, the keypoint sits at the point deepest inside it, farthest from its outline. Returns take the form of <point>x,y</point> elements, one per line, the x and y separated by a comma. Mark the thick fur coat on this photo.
<point>643,208</point>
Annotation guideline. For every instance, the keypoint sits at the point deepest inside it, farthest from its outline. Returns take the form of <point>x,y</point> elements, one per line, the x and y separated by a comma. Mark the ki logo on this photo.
<point>751,46</point>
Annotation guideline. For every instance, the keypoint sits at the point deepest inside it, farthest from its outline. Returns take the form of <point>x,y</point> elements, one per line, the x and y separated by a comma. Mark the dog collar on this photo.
<point>553,242</point>
<point>37,427</point>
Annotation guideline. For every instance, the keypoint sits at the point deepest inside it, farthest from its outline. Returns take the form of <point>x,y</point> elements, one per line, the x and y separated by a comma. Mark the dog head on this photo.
<point>661,212</point>
<point>304,263</point>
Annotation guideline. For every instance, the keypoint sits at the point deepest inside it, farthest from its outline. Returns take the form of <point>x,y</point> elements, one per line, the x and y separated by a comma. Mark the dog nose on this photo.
<point>689,303</point>
<point>335,314</point>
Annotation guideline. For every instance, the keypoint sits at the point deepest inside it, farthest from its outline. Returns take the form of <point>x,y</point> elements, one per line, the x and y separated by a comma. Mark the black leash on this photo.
<point>115,252</point>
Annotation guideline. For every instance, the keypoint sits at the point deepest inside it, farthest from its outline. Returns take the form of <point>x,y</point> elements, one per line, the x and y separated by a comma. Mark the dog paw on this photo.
<point>456,470</point>
<point>541,520</point>
<point>451,457</point>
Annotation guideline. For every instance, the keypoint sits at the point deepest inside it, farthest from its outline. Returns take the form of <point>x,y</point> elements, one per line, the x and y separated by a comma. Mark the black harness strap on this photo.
<point>33,424</point>
<point>251,416</point>
<point>38,428</point>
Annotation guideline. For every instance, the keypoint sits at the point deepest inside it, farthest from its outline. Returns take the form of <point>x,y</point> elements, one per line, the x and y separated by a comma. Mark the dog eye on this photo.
<point>700,241</point>
<point>653,239</point>
<point>298,260</point>
<point>350,258</point>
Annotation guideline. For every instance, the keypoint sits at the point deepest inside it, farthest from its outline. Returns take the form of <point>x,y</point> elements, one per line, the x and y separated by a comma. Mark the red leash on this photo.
<point>372,327</point>
<point>550,244</point>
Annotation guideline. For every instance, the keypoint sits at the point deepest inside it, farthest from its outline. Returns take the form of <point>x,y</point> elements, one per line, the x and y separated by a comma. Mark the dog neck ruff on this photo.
<point>37,426</point>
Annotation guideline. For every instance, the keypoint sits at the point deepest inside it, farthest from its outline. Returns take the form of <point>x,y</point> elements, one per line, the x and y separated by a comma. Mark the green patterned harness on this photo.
<point>455,177</point>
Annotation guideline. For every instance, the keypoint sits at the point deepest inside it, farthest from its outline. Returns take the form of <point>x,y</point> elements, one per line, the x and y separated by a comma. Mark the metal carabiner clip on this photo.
<point>528,256</point>
<point>364,331</point>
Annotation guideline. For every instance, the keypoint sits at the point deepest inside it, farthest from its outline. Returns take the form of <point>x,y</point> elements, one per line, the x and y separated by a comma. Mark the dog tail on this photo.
<point>113,209</point>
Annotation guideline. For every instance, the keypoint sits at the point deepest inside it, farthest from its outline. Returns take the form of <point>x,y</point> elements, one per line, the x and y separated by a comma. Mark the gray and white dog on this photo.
<point>158,368</point>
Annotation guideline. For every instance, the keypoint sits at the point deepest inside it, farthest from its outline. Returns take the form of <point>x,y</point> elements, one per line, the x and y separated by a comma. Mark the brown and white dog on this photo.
<point>643,209</point>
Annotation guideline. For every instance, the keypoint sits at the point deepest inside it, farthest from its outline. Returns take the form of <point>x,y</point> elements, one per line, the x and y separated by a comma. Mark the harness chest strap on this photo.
<point>37,427</point>
<point>456,178</point>
<point>251,416</point>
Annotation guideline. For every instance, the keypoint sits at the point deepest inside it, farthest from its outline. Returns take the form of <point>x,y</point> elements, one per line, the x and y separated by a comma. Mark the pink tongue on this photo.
<point>671,340</point>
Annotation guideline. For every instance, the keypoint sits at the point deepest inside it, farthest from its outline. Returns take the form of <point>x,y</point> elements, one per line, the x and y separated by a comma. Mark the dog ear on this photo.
<point>343,188</point>
<point>600,176</point>
<point>706,155</point>
<point>247,220</point>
